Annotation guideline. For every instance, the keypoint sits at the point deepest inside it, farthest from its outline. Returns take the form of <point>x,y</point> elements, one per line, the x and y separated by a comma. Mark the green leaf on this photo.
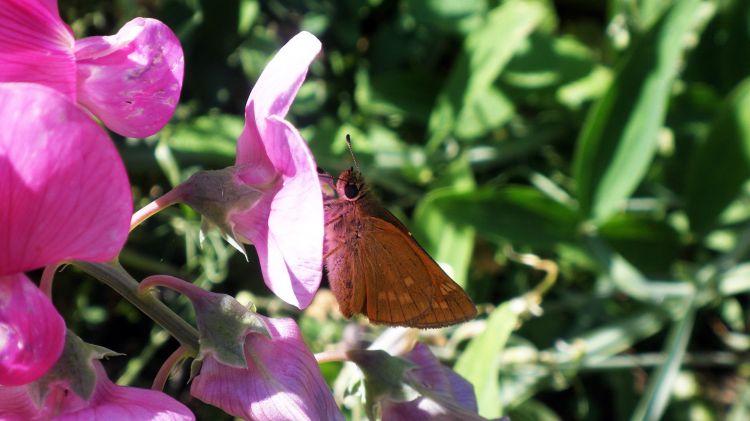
<point>454,16</point>
<point>630,281</point>
<point>659,389</point>
<point>446,241</point>
<point>397,94</point>
<point>721,163</point>
<point>485,111</point>
<point>210,140</point>
<point>516,213</point>
<point>487,50</point>
<point>479,364</point>
<point>650,245</point>
<point>735,281</point>
<point>619,136</point>
<point>558,66</point>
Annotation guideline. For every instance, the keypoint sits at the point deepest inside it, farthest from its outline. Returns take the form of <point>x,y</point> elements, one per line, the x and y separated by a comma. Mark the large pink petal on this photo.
<point>441,380</point>
<point>16,404</point>
<point>131,80</point>
<point>111,402</point>
<point>63,187</point>
<point>32,333</point>
<point>251,153</point>
<point>36,46</point>
<point>296,220</point>
<point>275,90</point>
<point>282,380</point>
<point>288,232</point>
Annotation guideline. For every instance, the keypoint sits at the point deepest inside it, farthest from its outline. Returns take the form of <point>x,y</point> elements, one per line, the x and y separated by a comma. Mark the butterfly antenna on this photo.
<point>351,151</point>
<point>322,173</point>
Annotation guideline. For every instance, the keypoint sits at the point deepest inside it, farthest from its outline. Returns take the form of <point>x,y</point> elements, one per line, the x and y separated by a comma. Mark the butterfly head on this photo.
<point>350,185</point>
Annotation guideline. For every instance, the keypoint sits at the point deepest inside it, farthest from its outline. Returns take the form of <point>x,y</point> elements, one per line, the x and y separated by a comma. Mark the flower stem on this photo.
<point>47,277</point>
<point>331,356</point>
<point>114,276</point>
<point>161,377</point>
<point>167,199</point>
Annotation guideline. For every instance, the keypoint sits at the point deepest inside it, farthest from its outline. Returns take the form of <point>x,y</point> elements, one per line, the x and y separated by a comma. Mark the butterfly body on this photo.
<point>375,267</point>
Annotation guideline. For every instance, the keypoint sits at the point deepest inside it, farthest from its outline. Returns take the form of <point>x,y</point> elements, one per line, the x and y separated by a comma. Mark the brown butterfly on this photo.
<point>375,267</point>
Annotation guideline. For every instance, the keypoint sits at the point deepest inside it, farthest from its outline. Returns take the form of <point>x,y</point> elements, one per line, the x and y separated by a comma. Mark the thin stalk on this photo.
<point>168,199</point>
<point>114,276</point>
<point>161,377</point>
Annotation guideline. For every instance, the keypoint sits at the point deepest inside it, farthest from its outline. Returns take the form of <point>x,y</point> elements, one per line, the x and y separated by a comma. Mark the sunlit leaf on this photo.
<point>721,164</point>
<point>619,137</point>
<point>479,362</point>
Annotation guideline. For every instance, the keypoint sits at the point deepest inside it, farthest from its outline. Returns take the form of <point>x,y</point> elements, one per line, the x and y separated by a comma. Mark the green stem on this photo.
<point>117,278</point>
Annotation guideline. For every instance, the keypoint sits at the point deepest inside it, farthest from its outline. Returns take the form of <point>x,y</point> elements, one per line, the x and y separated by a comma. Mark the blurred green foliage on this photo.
<point>612,138</point>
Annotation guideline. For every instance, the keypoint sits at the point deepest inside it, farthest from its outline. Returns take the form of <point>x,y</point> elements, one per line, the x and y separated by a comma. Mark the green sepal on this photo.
<point>223,324</point>
<point>384,377</point>
<point>74,368</point>
<point>216,195</point>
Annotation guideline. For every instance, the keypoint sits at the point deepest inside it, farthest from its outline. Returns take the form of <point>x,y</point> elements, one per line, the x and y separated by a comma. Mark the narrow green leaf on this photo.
<point>659,390</point>
<point>735,281</point>
<point>209,140</point>
<point>619,334</point>
<point>722,163</point>
<point>487,50</point>
<point>518,214</point>
<point>630,281</point>
<point>619,136</point>
<point>454,16</point>
<point>479,363</point>
<point>446,241</point>
<point>649,244</point>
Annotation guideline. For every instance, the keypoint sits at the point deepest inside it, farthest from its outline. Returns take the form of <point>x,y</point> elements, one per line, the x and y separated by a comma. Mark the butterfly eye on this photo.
<point>351,190</point>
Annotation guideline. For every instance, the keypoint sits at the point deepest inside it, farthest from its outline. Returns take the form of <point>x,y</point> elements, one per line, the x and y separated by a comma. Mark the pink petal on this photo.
<point>131,80</point>
<point>36,46</point>
<point>275,90</point>
<point>441,380</point>
<point>111,402</point>
<point>16,404</point>
<point>290,241</point>
<point>424,408</point>
<point>282,380</point>
<point>32,333</point>
<point>251,152</point>
<point>64,188</point>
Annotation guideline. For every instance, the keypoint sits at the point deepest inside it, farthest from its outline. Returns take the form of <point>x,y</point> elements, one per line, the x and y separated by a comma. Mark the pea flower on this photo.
<point>78,388</point>
<point>131,81</point>
<point>271,197</point>
<point>252,367</point>
<point>403,380</point>
<point>65,195</point>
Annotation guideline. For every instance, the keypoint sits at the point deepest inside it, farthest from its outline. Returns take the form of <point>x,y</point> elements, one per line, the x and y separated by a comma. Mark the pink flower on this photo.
<point>106,401</point>
<point>282,379</point>
<point>401,385</point>
<point>252,367</point>
<point>271,197</point>
<point>65,196</point>
<point>445,394</point>
<point>131,80</point>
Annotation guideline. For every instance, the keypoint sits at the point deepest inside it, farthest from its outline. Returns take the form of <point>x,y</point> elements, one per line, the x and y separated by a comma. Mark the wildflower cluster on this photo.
<point>65,198</point>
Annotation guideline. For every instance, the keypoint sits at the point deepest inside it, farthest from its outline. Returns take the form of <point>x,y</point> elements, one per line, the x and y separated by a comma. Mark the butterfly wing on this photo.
<point>393,281</point>
<point>407,280</point>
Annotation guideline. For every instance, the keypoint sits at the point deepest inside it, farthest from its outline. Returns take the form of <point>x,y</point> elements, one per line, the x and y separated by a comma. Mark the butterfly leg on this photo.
<point>330,252</point>
<point>334,219</point>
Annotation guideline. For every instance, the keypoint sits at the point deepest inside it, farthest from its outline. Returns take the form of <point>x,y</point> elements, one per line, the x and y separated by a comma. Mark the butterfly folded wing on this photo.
<point>395,281</point>
<point>409,276</point>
